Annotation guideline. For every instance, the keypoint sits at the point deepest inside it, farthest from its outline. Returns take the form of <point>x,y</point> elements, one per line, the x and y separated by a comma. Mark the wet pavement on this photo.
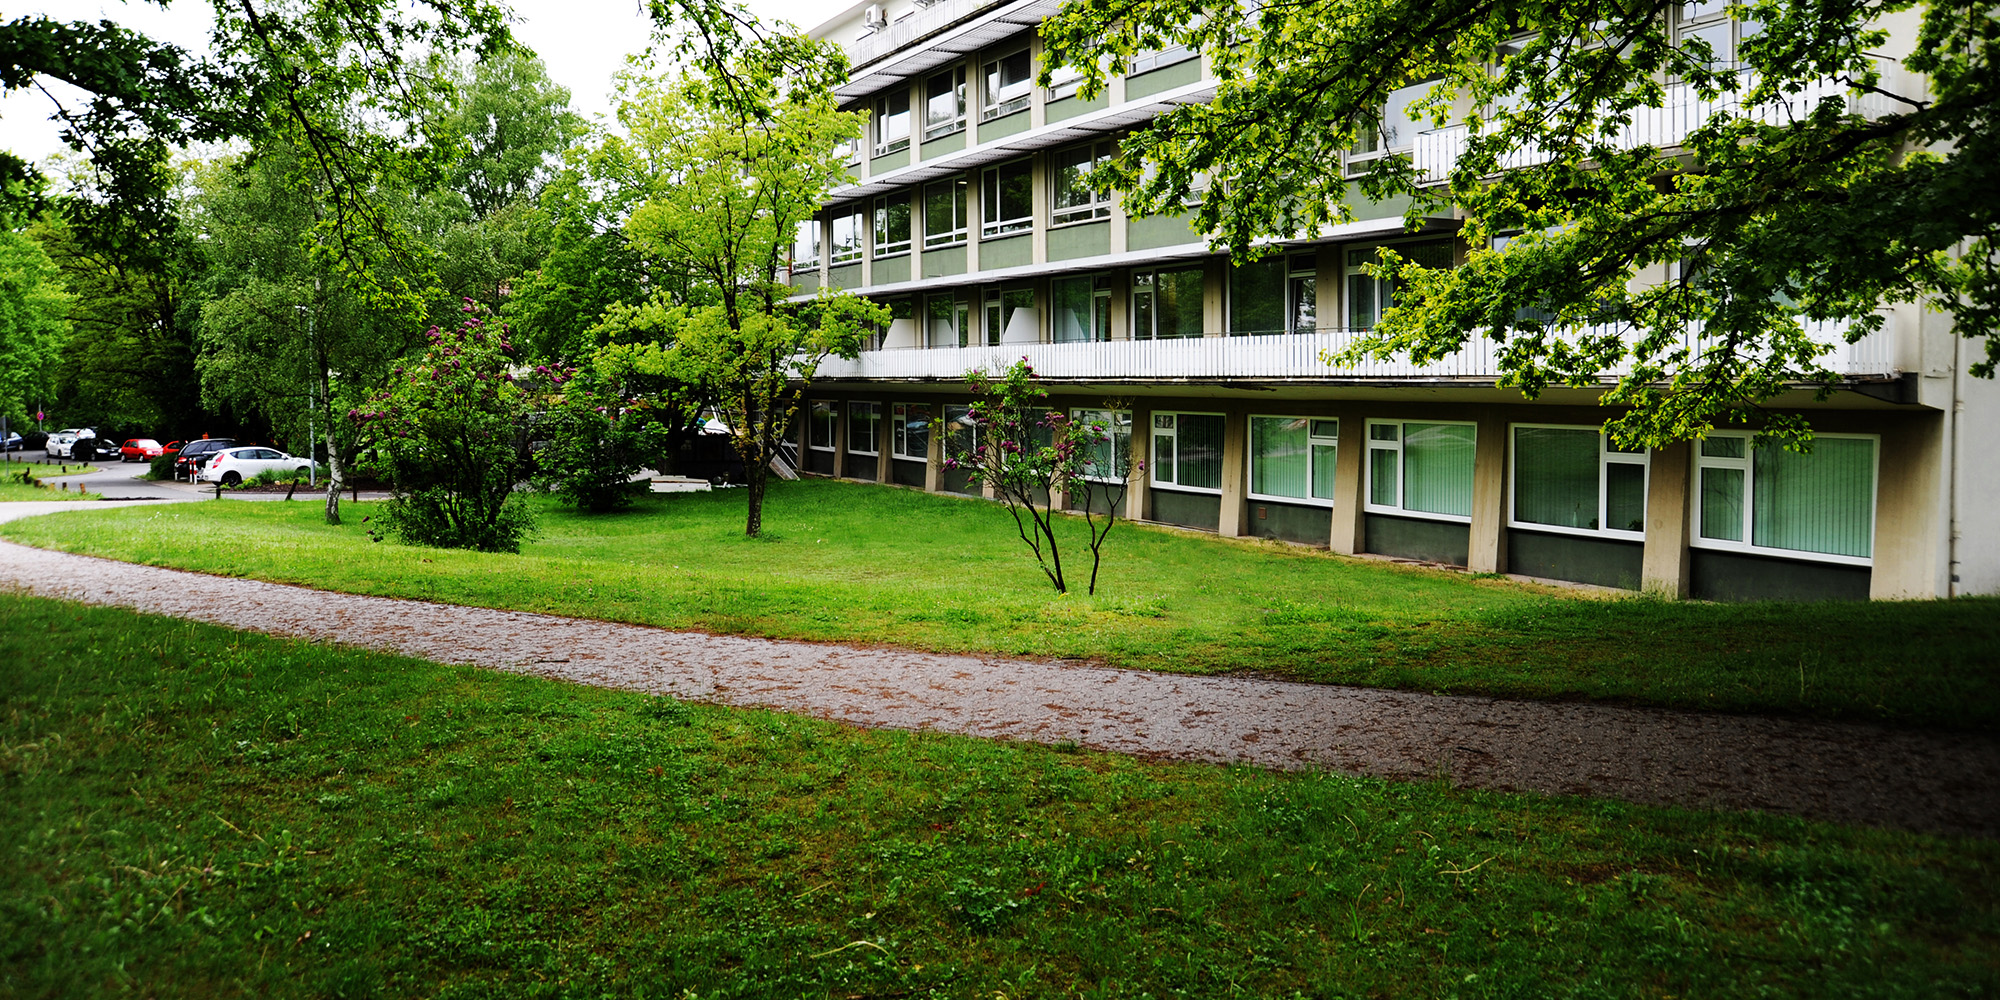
<point>1940,782</point>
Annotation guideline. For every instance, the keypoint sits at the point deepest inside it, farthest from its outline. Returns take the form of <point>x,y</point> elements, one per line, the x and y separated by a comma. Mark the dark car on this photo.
<point>196,452</point>
<point>92,449</point>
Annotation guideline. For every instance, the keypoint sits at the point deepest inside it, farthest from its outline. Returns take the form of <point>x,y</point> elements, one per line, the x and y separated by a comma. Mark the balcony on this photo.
<point>1666,127</point>
<point>1275,357</point>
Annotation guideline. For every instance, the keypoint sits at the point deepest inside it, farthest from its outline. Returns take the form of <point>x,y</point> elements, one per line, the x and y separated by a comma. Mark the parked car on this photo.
<point>140,450</point>
<point>196,452</point>
<point>12,443</point>
<point>233,465</point>
<point>59,443</point>
<point>91,449</point>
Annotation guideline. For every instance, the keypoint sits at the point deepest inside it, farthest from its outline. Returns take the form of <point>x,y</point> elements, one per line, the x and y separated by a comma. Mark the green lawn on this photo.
<point>12,488</point>
<point>191,812</point>
<point>852,562</point>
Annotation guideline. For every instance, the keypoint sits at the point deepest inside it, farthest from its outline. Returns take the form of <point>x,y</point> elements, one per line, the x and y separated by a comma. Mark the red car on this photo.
<point>140,450</point>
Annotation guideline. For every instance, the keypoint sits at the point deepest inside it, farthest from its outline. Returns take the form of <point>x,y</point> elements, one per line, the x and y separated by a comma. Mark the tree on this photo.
<point>730,163</point>
<point>605,421</point>
<point>513,123</point>
<point>34,323</point>
<point>1037,459</point>
<point>1781,211</point>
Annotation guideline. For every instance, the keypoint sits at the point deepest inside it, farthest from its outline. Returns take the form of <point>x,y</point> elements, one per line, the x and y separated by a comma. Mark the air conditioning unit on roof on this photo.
<point>872,17</point>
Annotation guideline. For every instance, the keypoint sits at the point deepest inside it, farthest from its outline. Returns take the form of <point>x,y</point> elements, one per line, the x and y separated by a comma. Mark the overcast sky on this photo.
<point>582,41</point>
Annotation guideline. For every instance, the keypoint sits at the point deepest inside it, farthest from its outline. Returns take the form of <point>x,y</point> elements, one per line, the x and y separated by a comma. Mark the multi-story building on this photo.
<point>969,218</point>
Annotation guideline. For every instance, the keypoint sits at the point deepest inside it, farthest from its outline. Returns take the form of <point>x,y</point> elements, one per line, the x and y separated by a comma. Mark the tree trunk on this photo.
<point>755,487</point>
<point>332,450</point>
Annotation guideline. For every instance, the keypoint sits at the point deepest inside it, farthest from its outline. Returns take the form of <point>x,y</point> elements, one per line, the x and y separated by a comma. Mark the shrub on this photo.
<point>163,467</point>
<point>605,422</point>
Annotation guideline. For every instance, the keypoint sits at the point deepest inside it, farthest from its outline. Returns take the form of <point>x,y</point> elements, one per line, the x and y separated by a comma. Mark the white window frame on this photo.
<point>832,424</point>
<point>838,253</point>
<point>806,227</point>
<point>1155,432</point>
<point>1312,438</point>
<point>1747,530</point>
<point>961,210</point>
<point>1357,161</point>
<point>1606,457</point>
<point>885,143</point>
<point>1120,440</point>
<point>880,226</point>
<point>1402,462</point>
<point>1098,207</point>
<point>989,203</point>
<point>1172,55</point>
<point>899,425</point>
<point>991,104</point>
<point>956,124</point>
<point>874,411</point>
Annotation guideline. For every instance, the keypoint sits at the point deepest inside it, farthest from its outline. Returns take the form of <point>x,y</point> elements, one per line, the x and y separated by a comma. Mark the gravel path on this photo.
<point>1847,773</point>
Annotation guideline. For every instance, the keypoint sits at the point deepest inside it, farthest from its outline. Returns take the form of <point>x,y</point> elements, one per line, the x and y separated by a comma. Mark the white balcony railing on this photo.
<point>1663,127</point>
<point>1279,356</point>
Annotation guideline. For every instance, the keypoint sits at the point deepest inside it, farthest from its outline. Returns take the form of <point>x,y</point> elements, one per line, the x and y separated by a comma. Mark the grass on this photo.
<point>862,563</point>
<point>187,811</point>
<point>13,489</point>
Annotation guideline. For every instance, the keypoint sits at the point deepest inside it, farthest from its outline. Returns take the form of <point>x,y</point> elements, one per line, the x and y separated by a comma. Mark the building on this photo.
<point>967,218</point>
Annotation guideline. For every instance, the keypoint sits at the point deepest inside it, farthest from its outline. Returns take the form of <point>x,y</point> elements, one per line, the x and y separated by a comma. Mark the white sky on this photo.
<point>582,41</point>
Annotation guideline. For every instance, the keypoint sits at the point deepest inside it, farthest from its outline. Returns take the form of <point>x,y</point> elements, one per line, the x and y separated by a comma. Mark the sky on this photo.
<point>582,42</point>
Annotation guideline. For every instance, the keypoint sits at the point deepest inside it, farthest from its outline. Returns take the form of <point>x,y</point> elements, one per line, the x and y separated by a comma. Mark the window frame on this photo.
<point>832,424</point>
<point>873,412</point>
<point>961,316</point>
<point>999,312</point>
<point>1098,207</point>
<point>991,105</point>
<point>989,201</point>
<point>1747,463</point>
<point>1312,439</point>
<point>1372,444</point>
<point>1153,436</point>
<point>1148,61</point>
<point>1119,438</point>
<point>882,208</point>
<point>960,211</point>
<point>899,431</point>
<point>1151,286</point>
<point>1606,457</point>
<point>1100,307</point>
<point>802,263</point>
<point>837,253</point>
<point>1382,288</point>
<point>886,144</point>
<point>957,123</point>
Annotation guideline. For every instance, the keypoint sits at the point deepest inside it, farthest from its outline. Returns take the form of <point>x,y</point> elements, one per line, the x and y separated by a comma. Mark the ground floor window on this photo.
<point>910,428</point>
<point>1111,453</point>
<point>1764,498</point>
<point>864,427</point>
<point>1292,458</point>
<point>1421,467</point>
<point>962,432</point>
<point>1574,479</point>
<point>1187,451</point>
<point>820,418</point>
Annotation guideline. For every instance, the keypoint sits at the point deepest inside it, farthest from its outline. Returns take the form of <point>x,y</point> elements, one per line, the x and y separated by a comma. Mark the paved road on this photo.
<point>117,480</point>
<point>1846,773</point>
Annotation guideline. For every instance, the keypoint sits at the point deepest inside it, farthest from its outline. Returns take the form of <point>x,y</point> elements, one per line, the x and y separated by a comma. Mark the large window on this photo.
<point>1167,304</point>
<point>1010,317</point>
<point>1369,296</point>
<point>1080,309</point>
<point>961,432</point>
<point>820,421</point>
<point>1574,480</point>
<point>805,246</point>
<point>892,224</point>
<point>892,122</point>
<point>1292,458</point>
<point>1110,452</point>
<point>944,103</point>
<point>864,427</point>
<point>946,321</point>
<point>944,213</point>
<point>845,228</point>
<point>910,424</point>
<point>1146,62</point>
<point>1010,80</point>
<point>1395,133</point>
<point>1009,201</point>
<point>1709,22</point>
<point>1257,296</point>
<point>1187,451</point>
<point>1422,468</point>
<point>1071,199</point>
<point>1764,498</point>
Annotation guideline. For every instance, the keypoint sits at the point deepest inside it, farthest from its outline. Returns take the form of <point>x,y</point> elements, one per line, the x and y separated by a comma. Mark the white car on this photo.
<point>233,465</point>
<point>61,441</point>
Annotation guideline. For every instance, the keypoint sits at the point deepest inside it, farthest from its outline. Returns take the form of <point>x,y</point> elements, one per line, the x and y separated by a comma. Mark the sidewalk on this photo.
<point>1845,773</point>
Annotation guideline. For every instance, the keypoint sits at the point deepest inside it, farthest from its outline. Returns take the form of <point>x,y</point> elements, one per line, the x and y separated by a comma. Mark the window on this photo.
<point>1764,498</point>
<point>1395,133</point>
<point>1709,21</point>
<point>1009,199</point>
<point>961,431</point>
<point>1110,455</point>
<point>1080,309</point>
<point>805,246</point>
<point>892,225</point>
<point>1010,317</point>
<point>1064,81</point>
<point>1167,304</point>
<point>1302,293</point>
<point>820,418</point>
<point>1573,479</point>
<point>1292,458</point>
<point>849,150</point>
<point>845,241</point>
<point>1368,295</point>
<point>944,213</point>
<point>946,321</point>
<point>1146,62</point>
<point>1421,468</point>
<point>892,122</point>
<point>910,424</point>
<point>1257,296</point>
<point>864,427</point>
<point>1187,451</point>
<point>1010,80</point>
<point>944,103</point>
<point>1071,199</point>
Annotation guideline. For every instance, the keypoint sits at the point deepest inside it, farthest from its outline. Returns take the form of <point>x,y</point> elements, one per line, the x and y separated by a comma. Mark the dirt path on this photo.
<point>1847,773</point>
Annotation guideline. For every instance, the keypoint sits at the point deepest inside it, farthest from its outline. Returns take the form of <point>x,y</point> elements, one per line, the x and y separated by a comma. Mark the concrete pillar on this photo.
<point>1911,548</point>
<point>1138,501</point>
<point>934,451</point>
<point>1666,570</point>
<point>1235,473</point>
<point>1349,501</point>
<point>840,439</point>
<point>1487,552</point>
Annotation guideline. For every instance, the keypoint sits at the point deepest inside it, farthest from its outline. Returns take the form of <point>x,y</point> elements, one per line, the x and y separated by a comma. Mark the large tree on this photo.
<point>1780,210</point>
<point>34,324</point>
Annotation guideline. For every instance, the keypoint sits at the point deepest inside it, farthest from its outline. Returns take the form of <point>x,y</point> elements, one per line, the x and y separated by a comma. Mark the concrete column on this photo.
<point>1347,536</point>
<point>1038,198</point>
<point>1138,501</point>
<point>934,452</point>
<point>1666,570</point>
<point>1488,549</point>
<point>1911,540</point>
<point>840,439</point>
<point>1235,473</point>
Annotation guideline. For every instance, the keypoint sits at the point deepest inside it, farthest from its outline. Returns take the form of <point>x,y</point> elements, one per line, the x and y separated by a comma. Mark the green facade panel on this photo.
<point>1160,231</point>
<point>888,269</point>
<point>1004,126</point>
<point>1604,562</point>
<point>1146,84</point>
<point>1070,107</point>
<point>1191,510</point>
<point>805,281</point>
<point>1413,538</point>
<point>1012,251</point>
<point>1071,242</point>
<point>943,144</point>
<point>1737,576</point>
<point>943,261</point>
<point>845,276</point>
<point>883,164</point>
<point>1290,522</point>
